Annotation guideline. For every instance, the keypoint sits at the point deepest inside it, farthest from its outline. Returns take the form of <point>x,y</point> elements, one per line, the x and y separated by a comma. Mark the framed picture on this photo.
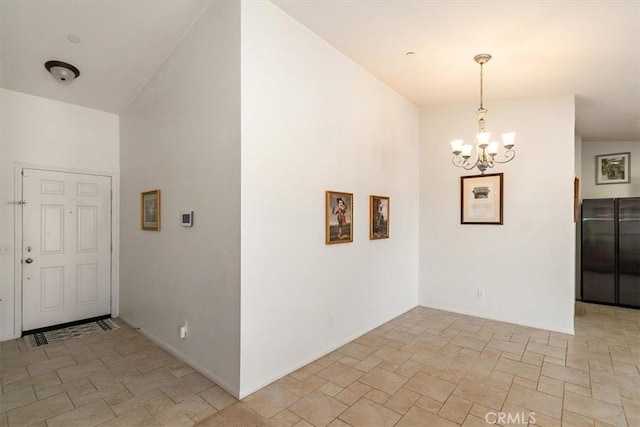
<point>481,199</point>
<point>613,168</point>
<point>150,210</point>
<point>378,217</point>
<point>338,217</point>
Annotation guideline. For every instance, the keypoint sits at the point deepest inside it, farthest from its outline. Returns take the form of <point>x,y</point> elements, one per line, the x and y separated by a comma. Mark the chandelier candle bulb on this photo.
<point>509,140</point>
<point>466,151</point>
<point>483,139</point>
<point>456,146</point>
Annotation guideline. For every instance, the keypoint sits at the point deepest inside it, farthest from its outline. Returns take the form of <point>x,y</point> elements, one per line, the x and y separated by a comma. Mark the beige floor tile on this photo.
<point>74,387</point>
<point>596,409</point>
<point>40,410</point>
<point>551,386</point>
<point>270,400</point>
<point>547,350</point>
<point>45,380</point>
<point>455,409</point>
<point>113,375</point>
<point>172,411</point>
<point>383,380</point>
<point>81,399</point>
<point>183,421</point>
<point>285,418</point>
<point>81,370</point>
<point>16,398</point>
<point>632,411</point>
<point>418,417</point>
<point>569,419</point>
<point>340,374</point>
<point>186,386</point>
<point>431,387</point>
<point>136,401</point>
<point>366,414</point>
<point>218,397</point>
<point>151,380</point>
<point>307,370</point>
<point>508,346</point>
<point>473,421</point>
<point>536,401</point>
<point>317,408</point>
<point>353,393</point>
<point>393,355</point>
<point>330,388</point>
<point>90,415</point>
<point>469,342</point>
<point>304,387</point>
<point>377,396</point>
<point>562,373</point>
<point>50,365</point>
<point>368,363</point>
<point>138,417</point>
<point>356,351</point>
<point>481,393</point>
<point>518,369</point>
<point>402,401</point>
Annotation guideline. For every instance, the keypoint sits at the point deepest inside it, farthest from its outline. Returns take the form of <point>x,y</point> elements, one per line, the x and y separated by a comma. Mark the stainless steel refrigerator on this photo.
<point>611,251</point>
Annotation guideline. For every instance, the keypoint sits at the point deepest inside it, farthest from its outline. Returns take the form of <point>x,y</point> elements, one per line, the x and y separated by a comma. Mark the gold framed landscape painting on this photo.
<point>338,217</point>
<point>481,199</point>
<point>150,210</point>
<point>378,217</point>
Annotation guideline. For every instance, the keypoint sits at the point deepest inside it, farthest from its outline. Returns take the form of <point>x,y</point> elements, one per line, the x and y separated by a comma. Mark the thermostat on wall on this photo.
<point>186,219</point>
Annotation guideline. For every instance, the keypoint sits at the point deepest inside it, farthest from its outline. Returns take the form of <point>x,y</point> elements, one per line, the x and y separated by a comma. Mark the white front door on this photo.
<point>66,247</point>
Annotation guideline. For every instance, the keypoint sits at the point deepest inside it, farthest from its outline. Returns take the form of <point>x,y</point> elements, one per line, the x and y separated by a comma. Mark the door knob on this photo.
<point>28,260</point>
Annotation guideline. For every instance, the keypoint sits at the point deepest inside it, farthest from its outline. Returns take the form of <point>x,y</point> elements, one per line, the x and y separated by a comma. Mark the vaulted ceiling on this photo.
<point>540,48</point>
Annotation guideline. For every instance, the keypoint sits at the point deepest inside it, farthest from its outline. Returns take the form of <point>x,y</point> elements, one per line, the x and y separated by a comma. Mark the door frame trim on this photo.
<point>115,235</point>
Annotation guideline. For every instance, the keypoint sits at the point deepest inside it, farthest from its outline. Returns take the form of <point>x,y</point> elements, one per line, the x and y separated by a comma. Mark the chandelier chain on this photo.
<point>481,87</point>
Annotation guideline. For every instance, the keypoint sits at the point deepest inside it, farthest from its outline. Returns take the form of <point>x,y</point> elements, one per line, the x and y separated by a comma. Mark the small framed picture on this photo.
<point>481,199</point>
<point>613,168</point>
<point>338,217</point>
<point>378,217</point>
<point>150,210</point>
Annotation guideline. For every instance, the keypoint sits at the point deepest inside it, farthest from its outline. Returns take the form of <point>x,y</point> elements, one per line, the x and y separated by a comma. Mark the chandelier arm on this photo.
<point>509,155</point>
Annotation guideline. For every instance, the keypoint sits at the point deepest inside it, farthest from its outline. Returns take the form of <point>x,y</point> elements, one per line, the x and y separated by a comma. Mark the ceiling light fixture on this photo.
<point>486,152</point>
<point>62,71</point>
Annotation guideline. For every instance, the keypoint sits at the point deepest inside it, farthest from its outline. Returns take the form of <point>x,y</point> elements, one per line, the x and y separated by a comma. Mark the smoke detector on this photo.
<point>62,71</point>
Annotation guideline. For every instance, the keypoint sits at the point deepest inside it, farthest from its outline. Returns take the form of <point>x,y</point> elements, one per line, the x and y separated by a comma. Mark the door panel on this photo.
<point>629,251</point>
<point>598,251</point>
<point>66,270</point>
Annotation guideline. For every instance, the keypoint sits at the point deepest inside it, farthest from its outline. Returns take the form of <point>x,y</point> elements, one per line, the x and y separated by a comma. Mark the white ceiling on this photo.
<point>540,48</point>
<point>123,43</point>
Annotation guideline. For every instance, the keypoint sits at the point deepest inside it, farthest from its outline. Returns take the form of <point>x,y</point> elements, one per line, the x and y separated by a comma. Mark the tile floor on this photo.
<point>424,368</point>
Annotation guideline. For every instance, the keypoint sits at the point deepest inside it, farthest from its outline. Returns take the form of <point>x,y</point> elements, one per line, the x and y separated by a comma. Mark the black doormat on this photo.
<point>58,335</point>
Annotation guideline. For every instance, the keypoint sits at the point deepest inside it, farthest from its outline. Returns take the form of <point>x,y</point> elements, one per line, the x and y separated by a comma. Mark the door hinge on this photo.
<point>22,202</point>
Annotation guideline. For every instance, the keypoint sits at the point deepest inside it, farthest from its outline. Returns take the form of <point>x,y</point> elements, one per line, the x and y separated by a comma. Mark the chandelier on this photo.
<point>486,150</point>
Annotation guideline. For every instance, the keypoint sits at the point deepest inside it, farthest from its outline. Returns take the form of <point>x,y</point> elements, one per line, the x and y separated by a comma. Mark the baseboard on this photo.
<point>252,389</point>
<point>485,316</point>
<point>186,359</point>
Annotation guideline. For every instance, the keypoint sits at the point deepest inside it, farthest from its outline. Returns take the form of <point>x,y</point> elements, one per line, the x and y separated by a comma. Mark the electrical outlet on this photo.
<point>5,250</point>
<point>183,330</point>
<point>331,320</point>
<point>480,293</point>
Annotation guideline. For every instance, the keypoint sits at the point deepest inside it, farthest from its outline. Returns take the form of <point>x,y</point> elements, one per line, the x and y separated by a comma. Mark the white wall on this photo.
<point>44,132</point>
<point>182,135</point>
<point>525,266</point>
<point>591,149</point>
<point>312,121</point>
